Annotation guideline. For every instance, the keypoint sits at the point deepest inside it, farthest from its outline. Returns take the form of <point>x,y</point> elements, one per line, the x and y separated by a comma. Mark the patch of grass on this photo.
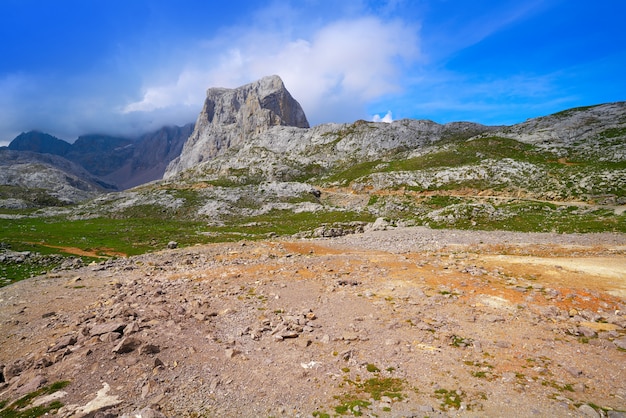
<point>390,387</point>
<point>17,408</point>
<point>457,341</point>
<point>33,197</point>
<point>352,407</point>
<point>450,399</point>
<point>567,387</point>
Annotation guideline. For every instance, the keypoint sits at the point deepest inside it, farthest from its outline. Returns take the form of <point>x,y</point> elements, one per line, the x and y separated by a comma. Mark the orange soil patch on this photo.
<point>97,252</point>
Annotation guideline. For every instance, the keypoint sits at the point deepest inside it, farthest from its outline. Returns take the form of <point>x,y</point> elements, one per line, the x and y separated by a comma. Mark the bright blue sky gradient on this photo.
<point>71,67</point>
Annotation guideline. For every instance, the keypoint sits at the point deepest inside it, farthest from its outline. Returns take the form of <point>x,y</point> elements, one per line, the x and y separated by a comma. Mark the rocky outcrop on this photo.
<point>31,179</point>
<point>231,116</point>
<point>92,164</point>
<point>592,132</point>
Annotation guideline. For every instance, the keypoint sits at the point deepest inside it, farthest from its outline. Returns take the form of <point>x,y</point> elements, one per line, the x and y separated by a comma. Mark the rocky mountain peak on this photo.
<point>40,142</point>
<point>229,116</point>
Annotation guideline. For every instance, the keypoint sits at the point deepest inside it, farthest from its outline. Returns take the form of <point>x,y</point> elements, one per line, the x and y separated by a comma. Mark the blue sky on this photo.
<point>71,67</point>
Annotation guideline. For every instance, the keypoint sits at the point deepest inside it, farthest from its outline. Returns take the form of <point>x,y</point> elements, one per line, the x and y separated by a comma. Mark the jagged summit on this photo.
<point>229,116</point>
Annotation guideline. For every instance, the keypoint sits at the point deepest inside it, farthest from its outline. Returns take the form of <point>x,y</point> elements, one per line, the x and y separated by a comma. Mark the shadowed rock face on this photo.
<point>229,116</point>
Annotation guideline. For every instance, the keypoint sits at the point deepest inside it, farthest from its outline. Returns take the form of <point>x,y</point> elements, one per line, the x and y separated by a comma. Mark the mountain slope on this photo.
<point>118,163</point>
<point>409,171</point>
<point>231,116</point>
<point>40,142</point>
<point>30,179</point>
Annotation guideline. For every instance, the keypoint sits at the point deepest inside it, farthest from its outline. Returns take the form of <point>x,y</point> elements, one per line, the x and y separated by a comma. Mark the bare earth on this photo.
<point>412,322</point>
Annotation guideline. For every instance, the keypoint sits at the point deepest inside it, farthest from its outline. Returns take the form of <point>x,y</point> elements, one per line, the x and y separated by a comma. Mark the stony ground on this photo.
<point>403,323</point>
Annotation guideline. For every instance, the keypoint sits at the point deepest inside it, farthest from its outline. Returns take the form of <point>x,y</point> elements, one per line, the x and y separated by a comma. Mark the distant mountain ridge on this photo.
<point>123,162</point>
<point>251,155</point>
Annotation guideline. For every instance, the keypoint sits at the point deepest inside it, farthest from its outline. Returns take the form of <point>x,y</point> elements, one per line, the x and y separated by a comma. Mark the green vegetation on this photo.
<point>170,212</point>
<point>19,408</point>
<point>357,400</point>
<point>34,197</point>
<point>450,399</point>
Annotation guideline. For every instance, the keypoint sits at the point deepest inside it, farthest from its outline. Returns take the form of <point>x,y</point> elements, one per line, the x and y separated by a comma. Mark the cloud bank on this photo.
<point>333,74</point>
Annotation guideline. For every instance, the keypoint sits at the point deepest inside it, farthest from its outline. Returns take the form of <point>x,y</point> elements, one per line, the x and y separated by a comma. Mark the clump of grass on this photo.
<point>390,387</point>
<point>450,399</point>
<point>18,409</point>
<point>372,368</point>
<point>458,341</point>
<point>351,405</point>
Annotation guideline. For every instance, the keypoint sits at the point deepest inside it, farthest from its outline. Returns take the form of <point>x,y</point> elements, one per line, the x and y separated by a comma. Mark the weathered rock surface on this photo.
<point>231,116</point>
<point>290,328</point>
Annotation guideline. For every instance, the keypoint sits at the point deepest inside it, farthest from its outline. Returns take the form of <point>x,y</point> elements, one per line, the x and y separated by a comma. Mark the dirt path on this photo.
<point>96,253</point>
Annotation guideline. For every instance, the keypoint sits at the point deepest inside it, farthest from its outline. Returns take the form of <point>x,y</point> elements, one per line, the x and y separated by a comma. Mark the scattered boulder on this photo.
<point>127,345</point>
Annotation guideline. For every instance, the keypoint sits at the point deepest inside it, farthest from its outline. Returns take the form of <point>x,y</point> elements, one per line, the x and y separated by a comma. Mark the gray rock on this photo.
<point>616,414</point>
<point>15,369</point>
<point>62,343</point>
<point>127,345</point>
<point>620,343</point>
<point>230,116</point>
<point>149,349</point>
<point>106,328</point>
<point>573,371</point>
<point>587,332</point>
<point>172,245</point>
<point>588,411</point>
<point>32,385</point>
<point>110,337</point>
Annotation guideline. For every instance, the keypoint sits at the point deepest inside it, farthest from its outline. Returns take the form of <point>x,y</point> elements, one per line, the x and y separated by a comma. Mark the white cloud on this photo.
<point>388,118</point>
<point>333,73</point>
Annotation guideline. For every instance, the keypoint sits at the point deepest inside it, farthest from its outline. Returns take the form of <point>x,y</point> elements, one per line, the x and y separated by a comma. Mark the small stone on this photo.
<point>107,327</point>
<point>127,345</point>
<point>62,343</point>
<point>149,349</point>
<point>588,411</point>
<point>573,371</point>
<point>620,343</point>
<point>325,339</point>
<point>110,337</point>
<point>289,334</point>
<point>231,352</point>
<point>172,245</point>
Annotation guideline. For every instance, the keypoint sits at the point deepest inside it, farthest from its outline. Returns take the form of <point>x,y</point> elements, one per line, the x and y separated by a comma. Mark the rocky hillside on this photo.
<point>231,117</point>
<point>248,161</point>
<point>30,179</point>
<point>92,165</point>
<point>252,159</point>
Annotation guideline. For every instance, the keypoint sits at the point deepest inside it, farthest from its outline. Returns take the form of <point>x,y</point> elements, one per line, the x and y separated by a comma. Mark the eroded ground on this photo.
<point>391,323</point>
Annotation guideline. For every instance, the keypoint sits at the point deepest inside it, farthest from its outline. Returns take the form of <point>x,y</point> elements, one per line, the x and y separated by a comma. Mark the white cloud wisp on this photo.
<point>333,74</point>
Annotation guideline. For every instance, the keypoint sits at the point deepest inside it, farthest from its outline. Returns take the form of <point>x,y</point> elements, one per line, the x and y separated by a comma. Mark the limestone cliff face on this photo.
<point>230,116</point>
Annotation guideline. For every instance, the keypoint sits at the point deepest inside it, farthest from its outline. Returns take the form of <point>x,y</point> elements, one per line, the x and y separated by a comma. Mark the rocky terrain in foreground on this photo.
<point>410,322</point>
